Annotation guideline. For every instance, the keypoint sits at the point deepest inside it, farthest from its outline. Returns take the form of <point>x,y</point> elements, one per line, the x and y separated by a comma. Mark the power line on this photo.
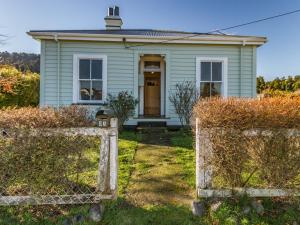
<point>222,29</point>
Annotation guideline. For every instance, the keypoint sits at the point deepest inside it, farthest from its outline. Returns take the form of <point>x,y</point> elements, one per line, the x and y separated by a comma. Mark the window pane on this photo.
<point>84,69</point>
<point>152,65</point>
<point>96,69</point>
<point>96,90</point>
<point>85,90</point>
<point>216,89</point>
<point>205,71</point>
<point>205,89</point>
<point>216,71</point>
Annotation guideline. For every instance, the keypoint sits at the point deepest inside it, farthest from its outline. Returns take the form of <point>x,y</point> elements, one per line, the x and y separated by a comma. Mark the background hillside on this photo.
<point>21,61</point>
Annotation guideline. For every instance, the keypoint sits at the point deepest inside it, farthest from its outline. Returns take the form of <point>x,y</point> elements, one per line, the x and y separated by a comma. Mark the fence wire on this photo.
<point>49,169</point>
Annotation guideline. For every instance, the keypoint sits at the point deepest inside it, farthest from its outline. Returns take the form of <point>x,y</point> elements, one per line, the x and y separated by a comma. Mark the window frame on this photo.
<point>224,82</point>
<point>76,85</point>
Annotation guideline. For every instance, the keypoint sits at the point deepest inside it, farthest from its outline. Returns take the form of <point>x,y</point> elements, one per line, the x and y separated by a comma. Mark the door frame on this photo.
<point>142,70</point>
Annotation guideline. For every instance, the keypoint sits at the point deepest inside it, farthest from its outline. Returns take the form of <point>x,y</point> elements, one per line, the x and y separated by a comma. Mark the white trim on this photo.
<point>76,58</point>
<point>224,61</point>
<point>58,73</point>
<point>142,71</point>
<point>42,74</point>
<point>201,39</point>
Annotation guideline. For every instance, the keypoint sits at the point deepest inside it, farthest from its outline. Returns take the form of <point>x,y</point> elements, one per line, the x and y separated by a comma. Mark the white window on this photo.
<point>211,76</point>
<point>89,78</point>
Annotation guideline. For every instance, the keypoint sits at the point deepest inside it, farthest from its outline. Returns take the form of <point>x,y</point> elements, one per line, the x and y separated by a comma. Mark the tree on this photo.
<point>22,61</point>
<point>261,84</point>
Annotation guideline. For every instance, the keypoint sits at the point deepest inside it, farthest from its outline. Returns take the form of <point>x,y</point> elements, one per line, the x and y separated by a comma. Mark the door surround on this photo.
<point>141,78</point>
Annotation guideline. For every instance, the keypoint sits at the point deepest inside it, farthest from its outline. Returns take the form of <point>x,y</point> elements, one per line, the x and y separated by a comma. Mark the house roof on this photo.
<point>142,32</point>
<point>146,35</point>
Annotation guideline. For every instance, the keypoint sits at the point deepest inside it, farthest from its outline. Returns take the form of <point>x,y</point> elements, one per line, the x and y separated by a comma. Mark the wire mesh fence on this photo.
<point>58,166</point>
<point>257,162</point>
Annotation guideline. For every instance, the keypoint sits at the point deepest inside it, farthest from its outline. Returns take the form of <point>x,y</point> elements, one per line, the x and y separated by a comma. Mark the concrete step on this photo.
<point>151,129</point>
<point>152,124</point>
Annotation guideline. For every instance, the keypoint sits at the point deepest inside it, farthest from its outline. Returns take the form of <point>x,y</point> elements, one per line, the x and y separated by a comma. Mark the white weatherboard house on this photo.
<point>84,66</point>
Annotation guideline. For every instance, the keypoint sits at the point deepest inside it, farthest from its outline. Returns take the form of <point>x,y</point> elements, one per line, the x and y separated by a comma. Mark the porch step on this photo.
<point>152,124</point>
<point>155,130</point>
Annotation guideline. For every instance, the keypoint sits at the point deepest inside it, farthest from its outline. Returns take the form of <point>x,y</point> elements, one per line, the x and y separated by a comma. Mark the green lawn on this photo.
<point>48,215</point>
<point>121,212</point>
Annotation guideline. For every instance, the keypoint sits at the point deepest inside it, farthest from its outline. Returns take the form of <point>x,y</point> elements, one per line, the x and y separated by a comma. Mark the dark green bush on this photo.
<point>122,105</point>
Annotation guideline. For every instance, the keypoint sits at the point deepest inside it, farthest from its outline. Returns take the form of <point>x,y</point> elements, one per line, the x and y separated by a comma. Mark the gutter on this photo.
<point>204,39</point>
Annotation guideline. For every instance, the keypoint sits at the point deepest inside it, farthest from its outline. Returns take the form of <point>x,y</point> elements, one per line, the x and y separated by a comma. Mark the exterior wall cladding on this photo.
<point>122,68</point>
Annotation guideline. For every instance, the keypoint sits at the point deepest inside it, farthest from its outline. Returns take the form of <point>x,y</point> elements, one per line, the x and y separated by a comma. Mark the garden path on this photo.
<point>157,178</point>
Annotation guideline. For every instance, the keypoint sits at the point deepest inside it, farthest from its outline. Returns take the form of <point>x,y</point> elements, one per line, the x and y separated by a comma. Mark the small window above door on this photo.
<point>152,65</point>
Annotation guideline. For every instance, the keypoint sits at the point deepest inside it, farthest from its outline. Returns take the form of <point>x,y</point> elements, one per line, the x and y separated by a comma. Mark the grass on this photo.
<point>127,146</point>
<point>121,212</point>
<point>277,211</point>
<point>183,143</point>
<point>49,215</point>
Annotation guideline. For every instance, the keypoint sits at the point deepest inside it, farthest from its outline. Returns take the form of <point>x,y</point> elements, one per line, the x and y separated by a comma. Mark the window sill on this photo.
<point>89,103</point>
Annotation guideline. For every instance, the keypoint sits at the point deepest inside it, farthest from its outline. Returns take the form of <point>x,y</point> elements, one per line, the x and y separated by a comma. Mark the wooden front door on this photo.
<point>152,94</point>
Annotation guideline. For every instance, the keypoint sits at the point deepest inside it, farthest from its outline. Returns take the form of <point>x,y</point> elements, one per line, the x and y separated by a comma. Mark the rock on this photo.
<point>258,207</point>
<point>246,210</point>
<point>96,212</point>
<point>215,206</point>
<point>198,208</point>
<point>67,222</point>
<point>78,219</point>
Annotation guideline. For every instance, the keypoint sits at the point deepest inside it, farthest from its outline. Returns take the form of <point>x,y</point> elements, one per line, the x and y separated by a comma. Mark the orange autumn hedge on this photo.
<point>278,112</point>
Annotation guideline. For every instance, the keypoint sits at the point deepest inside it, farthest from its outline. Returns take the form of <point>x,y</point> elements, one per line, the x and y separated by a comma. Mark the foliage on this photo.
<point>29,117</point>
<point>122,105</point>
<point>278,93</point>
<point>272,159</point>
<point>289,84</point>
<point>183,100</point>
<point>231,211</point>
<point>43,164</point>
<point>277,211</point>
<point>277,157</point>
<point>242,114</point>
<point>17,88</point>
<point>57,214</point>
<point>22,61</point>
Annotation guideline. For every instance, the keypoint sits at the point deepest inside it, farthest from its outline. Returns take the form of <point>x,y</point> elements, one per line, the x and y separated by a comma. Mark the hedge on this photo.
<point>269,160</point>
<point>17,88</point>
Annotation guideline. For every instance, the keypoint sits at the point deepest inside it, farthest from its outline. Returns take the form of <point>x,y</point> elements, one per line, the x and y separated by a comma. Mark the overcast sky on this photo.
<point>280,56</point>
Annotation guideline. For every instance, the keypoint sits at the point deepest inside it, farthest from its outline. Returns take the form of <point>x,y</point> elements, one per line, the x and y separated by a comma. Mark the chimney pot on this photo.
<point>110,11</point>
<point>116,11</point>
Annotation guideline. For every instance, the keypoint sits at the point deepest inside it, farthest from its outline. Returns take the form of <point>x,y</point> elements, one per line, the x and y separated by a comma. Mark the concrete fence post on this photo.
<point>203,152</point>
<point>103,162</point>
<point>114,156</point>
